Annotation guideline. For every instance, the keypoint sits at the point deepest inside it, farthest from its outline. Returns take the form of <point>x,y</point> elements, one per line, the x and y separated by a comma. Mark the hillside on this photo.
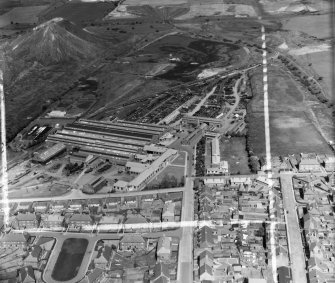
<point>53,42</point>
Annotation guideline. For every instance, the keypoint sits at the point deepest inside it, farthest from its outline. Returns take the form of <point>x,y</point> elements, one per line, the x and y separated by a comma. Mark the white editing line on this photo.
<point>268,157</point>
<point>4,180</point>
<point>148,226</point>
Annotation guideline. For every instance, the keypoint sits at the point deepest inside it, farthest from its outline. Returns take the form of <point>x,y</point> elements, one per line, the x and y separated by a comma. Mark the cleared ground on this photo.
<point>220,9</point>
<point>233,150</point>
<point>53,191</point>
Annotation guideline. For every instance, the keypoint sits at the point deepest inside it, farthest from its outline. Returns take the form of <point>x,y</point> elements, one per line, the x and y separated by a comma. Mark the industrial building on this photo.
<point>118,140</point>
<point>49,153</point>
<point>143,178</point>
<point>192,120</point>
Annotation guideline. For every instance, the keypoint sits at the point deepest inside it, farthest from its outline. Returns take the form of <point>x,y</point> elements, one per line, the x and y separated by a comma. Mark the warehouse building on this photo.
<point>146,176</point>
<point>49,153</point>
<point>118,140</point>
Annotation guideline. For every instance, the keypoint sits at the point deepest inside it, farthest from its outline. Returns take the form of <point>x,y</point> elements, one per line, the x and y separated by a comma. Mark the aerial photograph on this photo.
<point>163,141</point>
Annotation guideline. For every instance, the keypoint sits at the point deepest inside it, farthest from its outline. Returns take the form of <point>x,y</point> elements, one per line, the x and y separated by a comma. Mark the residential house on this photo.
<point>329,163</point>
<point>309,164</point>
<point>103,257</point>
<point>96,275</point>
<point>168,214</point>
<point>26,221</point>
<point>34,257</point>
<point>46,243</point>
<point>161,273</point>
<point>52,220</point>
<point>78,220</point>
<point>26,275</point>
<point>12,240</point>
<point>41,206</point>
<point>206,238</point>
<point>164,248</point>
<point>131,242</point>
<point>206,266</point>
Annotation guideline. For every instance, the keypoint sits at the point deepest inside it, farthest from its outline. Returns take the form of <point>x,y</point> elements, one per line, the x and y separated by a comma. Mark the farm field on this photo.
<point>233,150</point>
<point>314,25</point>
<point>26,15</point>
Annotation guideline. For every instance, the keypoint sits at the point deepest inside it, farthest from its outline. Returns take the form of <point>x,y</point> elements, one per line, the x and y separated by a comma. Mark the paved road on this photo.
<point>185,255</point>
<point>77,194</point>
<point>296,251</point>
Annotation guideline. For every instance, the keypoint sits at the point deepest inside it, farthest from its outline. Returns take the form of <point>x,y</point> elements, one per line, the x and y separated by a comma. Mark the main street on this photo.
<point>296,251</point>
<point>77,194</point>
<point>185,255</point>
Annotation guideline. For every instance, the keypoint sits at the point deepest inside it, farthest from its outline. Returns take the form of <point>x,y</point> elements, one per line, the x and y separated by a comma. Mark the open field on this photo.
<point>180,160</point>
<point>69,259</point>
<point>322,66</point>
<point>284,94</point>
<point>187,50</point>
<point>290,132</point>
<point>53,191</point>
<point>25,15</point>
<point>291,129</point>
<point>169,172</point>
<point>233,150</point>
<point>314,25</point>
<point>218,9</point>
<point>81,12</point>
<point>154,2</point>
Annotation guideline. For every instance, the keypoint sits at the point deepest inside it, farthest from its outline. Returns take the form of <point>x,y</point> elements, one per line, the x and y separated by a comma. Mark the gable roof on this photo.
<point>96,273</point>
<point>161,270</point>
<point>132,238</point>
<point>14,237</point>
<point>27,274</point>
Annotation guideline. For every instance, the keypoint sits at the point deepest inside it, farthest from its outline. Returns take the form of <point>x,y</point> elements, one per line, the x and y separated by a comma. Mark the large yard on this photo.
<point>168,176</point>
<point>233,150</point>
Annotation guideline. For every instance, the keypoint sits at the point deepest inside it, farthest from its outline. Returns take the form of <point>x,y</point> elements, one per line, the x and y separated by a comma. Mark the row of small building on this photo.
<point>317,195</point>
<point>234,252</point>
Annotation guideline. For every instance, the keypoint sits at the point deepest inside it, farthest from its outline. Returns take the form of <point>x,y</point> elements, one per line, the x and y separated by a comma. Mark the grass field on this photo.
<point>180,160</point>
<point>233,150</point>
<point>170,171</point>
<point>322,65</point>
<point>25,15</point>
<point>291,130</point>
<point>314,25</point>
